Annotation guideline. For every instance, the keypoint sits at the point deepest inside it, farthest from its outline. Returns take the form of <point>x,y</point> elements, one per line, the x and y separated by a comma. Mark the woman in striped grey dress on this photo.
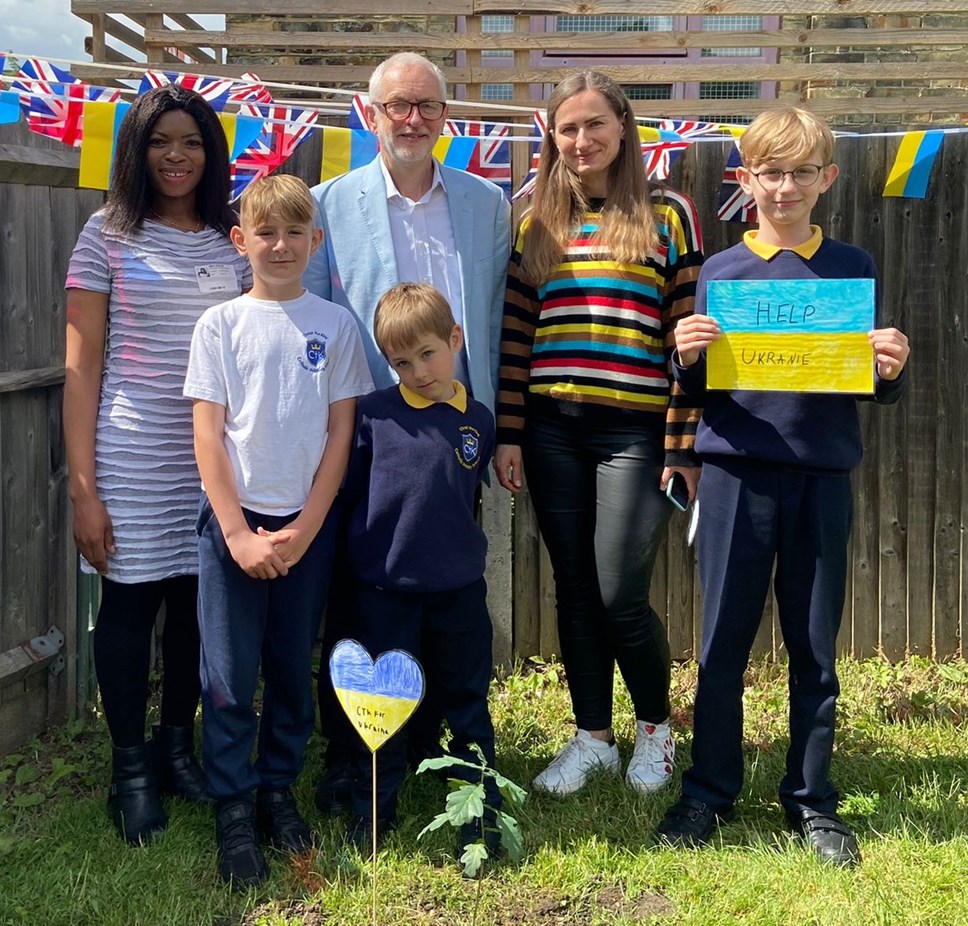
<point>144,269</point>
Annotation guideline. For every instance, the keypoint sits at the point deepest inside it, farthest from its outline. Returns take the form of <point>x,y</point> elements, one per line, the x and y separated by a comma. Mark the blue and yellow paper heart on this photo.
<point>378,697</point>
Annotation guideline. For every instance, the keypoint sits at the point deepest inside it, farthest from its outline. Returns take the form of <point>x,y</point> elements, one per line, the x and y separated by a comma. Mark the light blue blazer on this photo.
<point>355,264</point>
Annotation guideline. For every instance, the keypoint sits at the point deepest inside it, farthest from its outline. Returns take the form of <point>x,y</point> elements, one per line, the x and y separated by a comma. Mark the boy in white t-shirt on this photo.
<point>274,374</point>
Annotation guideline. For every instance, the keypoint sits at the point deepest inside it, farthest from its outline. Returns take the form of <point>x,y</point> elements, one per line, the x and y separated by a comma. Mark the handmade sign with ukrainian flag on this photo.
<point>792,335</point>
<point>378,697</point>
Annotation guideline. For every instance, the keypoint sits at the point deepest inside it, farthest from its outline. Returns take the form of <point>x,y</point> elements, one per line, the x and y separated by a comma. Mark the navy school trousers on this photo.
<point>246,623</point>
<point>752,514</point>
<point>449,633</point>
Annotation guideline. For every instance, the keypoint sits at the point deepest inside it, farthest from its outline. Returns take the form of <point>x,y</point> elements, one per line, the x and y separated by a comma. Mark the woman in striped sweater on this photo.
<point>144,269</point>
<point>602,269</point>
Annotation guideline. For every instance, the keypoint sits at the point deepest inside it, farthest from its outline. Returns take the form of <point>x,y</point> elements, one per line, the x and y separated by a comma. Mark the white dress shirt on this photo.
<point>424,247</point>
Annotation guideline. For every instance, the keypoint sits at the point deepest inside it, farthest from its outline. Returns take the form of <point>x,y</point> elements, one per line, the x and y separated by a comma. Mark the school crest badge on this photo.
<point>470,447</point>
<point>315,352</point>
<point>314,358</point>
<point>469,452</point>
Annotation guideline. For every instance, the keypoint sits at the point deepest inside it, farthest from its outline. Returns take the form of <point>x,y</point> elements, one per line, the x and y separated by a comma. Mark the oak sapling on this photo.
<point>466,810</point>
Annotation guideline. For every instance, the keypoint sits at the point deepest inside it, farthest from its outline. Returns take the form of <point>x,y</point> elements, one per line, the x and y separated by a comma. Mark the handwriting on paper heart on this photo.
<point>378,697</point>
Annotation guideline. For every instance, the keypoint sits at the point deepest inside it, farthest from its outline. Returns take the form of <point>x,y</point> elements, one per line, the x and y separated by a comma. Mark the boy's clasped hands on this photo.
<point>264,554</point>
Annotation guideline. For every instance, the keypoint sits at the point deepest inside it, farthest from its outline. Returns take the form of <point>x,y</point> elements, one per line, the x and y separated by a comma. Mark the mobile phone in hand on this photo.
<point>677,491</point>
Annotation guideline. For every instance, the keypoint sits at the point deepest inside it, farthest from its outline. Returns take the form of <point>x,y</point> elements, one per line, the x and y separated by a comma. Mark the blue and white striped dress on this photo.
<point>145,461</point>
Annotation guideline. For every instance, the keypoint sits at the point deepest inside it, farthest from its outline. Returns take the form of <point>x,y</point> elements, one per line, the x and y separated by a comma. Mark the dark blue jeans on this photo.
<point>753,514</point>
<point>245,622</point>
<point>596,495</point>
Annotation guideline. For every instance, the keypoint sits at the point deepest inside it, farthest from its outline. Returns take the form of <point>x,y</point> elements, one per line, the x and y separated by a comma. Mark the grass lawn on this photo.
<point>901,764</point>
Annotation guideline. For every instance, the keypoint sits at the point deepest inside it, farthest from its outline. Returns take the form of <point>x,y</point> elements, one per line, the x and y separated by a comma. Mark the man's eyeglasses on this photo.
<point>398,110</point>
<point>772,177</point>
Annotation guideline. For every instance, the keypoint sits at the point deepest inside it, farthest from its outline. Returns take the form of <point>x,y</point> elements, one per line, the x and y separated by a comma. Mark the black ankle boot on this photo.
<point>134,800</point>
<point>179,774</point>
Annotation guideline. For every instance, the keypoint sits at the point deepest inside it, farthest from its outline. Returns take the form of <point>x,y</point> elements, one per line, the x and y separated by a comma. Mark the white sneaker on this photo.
<point>650,767</point>
<point>569,770</point>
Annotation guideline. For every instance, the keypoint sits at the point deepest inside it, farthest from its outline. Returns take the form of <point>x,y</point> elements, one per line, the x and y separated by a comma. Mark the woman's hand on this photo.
<point>690,473</point>
<point>93,532</point>
<point>508,466</point>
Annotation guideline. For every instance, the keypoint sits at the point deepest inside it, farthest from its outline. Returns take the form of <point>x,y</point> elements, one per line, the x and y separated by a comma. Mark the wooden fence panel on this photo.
<point>41,212</point>
<point>907,567</point>
<point>907,589</point>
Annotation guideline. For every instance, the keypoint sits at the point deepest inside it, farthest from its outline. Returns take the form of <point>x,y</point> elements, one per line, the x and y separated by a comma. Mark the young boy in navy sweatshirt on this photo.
<point>414,545</point>
<point>775,488</point>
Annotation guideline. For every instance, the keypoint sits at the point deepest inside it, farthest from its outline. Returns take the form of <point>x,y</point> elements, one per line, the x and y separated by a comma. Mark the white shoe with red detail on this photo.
<point>650,768</point>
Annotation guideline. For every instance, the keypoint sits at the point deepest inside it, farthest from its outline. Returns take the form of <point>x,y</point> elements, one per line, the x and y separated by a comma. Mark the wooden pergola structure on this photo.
<point>905,59</point>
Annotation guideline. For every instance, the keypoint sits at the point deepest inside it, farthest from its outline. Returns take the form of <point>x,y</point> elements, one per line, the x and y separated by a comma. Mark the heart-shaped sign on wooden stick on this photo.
<point>378,697</point>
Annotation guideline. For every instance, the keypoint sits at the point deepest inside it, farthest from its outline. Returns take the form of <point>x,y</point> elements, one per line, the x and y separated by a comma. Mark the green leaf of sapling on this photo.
<point>465,804</point>
<point>512,792</point>
<point>472,858</point>
<point>511,837</point>
<point>435,824</point>
<point>443,762</point>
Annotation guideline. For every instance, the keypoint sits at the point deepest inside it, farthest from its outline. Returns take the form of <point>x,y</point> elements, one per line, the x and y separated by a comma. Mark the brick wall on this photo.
<point>365,24</point>
<point>882,88</point>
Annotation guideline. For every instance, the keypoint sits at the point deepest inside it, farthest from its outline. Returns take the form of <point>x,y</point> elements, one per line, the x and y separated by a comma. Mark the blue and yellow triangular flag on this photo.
<point>240,131</point>
<point>912,166</point>
<point>455,150</point>
<point>345,149</point>
<point>101,124</point>
<point>9,107</point>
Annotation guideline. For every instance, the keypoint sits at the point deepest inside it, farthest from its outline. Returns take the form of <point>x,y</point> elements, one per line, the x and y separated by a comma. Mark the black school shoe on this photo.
<point>829,837</point>
<point>689,824</point>
<point>280,822</point>
<point>241,863</point>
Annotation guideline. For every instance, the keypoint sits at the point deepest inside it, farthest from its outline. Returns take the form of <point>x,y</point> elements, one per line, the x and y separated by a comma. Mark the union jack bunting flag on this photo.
<point>734,204</point>
<point>249,89</point>
<point>215,90</point>
<point>540,128</point>
<point>660,156</point>
<point>356,118</point>
<point>53,100</point>
<point>492,154</point>
<point>282,132</point>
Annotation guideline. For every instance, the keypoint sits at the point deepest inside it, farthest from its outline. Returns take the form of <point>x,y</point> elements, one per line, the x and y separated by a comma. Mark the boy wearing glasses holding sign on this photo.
<point>775,488</point>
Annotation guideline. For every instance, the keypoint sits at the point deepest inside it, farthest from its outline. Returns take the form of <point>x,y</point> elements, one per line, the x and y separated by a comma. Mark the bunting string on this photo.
<point>262,133</point>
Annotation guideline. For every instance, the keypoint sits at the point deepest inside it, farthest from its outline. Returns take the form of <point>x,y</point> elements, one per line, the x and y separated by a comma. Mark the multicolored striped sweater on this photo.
<point>600,333</point>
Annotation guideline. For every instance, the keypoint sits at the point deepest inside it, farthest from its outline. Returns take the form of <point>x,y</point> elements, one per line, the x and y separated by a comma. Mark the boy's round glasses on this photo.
<point>772,177</point>
<point>398,110</point>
